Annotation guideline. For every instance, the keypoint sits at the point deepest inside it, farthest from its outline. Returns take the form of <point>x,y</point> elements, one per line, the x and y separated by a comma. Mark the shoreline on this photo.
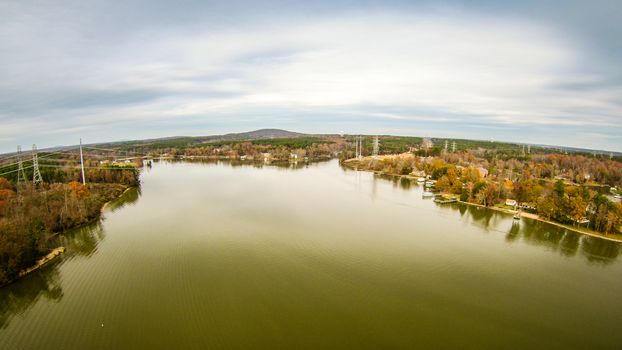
<point>58,251</point>
<point>541,219</point>
<point>101,211</point>
<point>44,260</point>
<point>507,211</point>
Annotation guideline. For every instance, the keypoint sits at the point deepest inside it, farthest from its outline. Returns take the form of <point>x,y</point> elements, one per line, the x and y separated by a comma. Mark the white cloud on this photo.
<point>441,68</point>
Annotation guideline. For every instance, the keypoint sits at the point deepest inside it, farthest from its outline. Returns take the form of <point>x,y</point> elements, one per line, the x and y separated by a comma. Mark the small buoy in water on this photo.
<point>102,324</point>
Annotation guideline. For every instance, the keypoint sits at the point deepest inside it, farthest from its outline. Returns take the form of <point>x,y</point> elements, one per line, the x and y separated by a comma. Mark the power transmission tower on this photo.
<point>376,146</point>
<point>21,175</point>
<point>356,147</point>
<point>453,147</point>
<point>82,164</point>
<point>528,149</point>
<point>523,150</point>
<point>36,175</point>
<point>446,142</point>
<point>611,155</point>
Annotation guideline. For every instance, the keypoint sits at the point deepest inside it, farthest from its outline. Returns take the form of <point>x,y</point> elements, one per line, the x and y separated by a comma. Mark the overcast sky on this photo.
<point>528,71</point>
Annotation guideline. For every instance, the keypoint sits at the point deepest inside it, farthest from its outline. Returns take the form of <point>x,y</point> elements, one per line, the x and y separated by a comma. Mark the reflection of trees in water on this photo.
<point>482,217</point>
<point>82,241</point>
<point>514,233</point>
<point>19,296</point>
<point>599,250</point>
<point>235,163</point>
<point>405,183</point>
<point>129,197</point>
<point>398,181</point>
<point>533,232</point>
<point>286,165</point>
<point>485,217</point>
<point>565,242</point>
<point>461,208</point>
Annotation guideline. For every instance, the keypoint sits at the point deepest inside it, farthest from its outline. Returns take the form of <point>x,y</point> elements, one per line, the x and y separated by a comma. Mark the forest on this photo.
<point>30,215</point>
<point>278,149</point>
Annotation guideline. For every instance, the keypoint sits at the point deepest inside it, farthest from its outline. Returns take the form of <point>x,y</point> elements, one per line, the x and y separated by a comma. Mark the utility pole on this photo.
<point>82,164</point>
<point>21,175</point>
<point>360,147</point>
<point>376,146</point>
<point>36,175</point>
<point>356,147</point>
<point>523,150</point>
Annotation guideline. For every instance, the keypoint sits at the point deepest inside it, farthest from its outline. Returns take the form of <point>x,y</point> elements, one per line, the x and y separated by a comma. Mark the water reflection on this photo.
<point>533,232</point>
<point>130,197</point>
<point>537,233</point>
<point>398,181</point>
<point>19,296</point>
<point>599,250</point>
<point>235,163</point>
<point>567,243</point>
<point>82,241</point>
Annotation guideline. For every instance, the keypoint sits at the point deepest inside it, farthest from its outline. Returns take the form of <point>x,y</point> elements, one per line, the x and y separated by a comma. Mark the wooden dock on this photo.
<point>445,200</point>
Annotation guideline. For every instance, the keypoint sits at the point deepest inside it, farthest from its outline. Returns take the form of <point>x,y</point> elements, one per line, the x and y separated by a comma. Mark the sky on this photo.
<point>541,72</point>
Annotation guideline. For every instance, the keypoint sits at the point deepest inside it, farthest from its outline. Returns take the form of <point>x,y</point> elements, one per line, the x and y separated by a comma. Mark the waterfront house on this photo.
<point>483,172</point>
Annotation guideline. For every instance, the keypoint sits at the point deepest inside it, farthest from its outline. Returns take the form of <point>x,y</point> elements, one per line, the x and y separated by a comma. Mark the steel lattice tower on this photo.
<point>21,175</point>
<point>36,175</point>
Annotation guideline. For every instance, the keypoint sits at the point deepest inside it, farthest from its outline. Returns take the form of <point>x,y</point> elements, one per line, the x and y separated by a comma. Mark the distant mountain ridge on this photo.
<point>258,134</point>
<point>241,136</point>
<point>271,133</point>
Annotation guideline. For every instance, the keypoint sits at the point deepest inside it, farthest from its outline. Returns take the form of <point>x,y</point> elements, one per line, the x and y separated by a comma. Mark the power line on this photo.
<point>16,170</point>
<point>76,167</point>
<point>9,157</point>
<point>43,156</point>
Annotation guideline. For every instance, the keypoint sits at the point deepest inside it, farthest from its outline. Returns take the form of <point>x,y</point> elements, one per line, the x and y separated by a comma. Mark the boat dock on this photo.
<point>445,200</point>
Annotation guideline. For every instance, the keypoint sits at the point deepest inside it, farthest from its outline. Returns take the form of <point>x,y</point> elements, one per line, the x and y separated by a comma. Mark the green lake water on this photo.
<point>217,256</point>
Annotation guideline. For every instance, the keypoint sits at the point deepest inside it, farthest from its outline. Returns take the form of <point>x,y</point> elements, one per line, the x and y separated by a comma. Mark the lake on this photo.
<point>228,256</point>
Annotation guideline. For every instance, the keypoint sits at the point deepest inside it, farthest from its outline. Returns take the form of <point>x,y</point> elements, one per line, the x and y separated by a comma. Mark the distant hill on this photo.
<point>174,141</point>
<point>259,134</point>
